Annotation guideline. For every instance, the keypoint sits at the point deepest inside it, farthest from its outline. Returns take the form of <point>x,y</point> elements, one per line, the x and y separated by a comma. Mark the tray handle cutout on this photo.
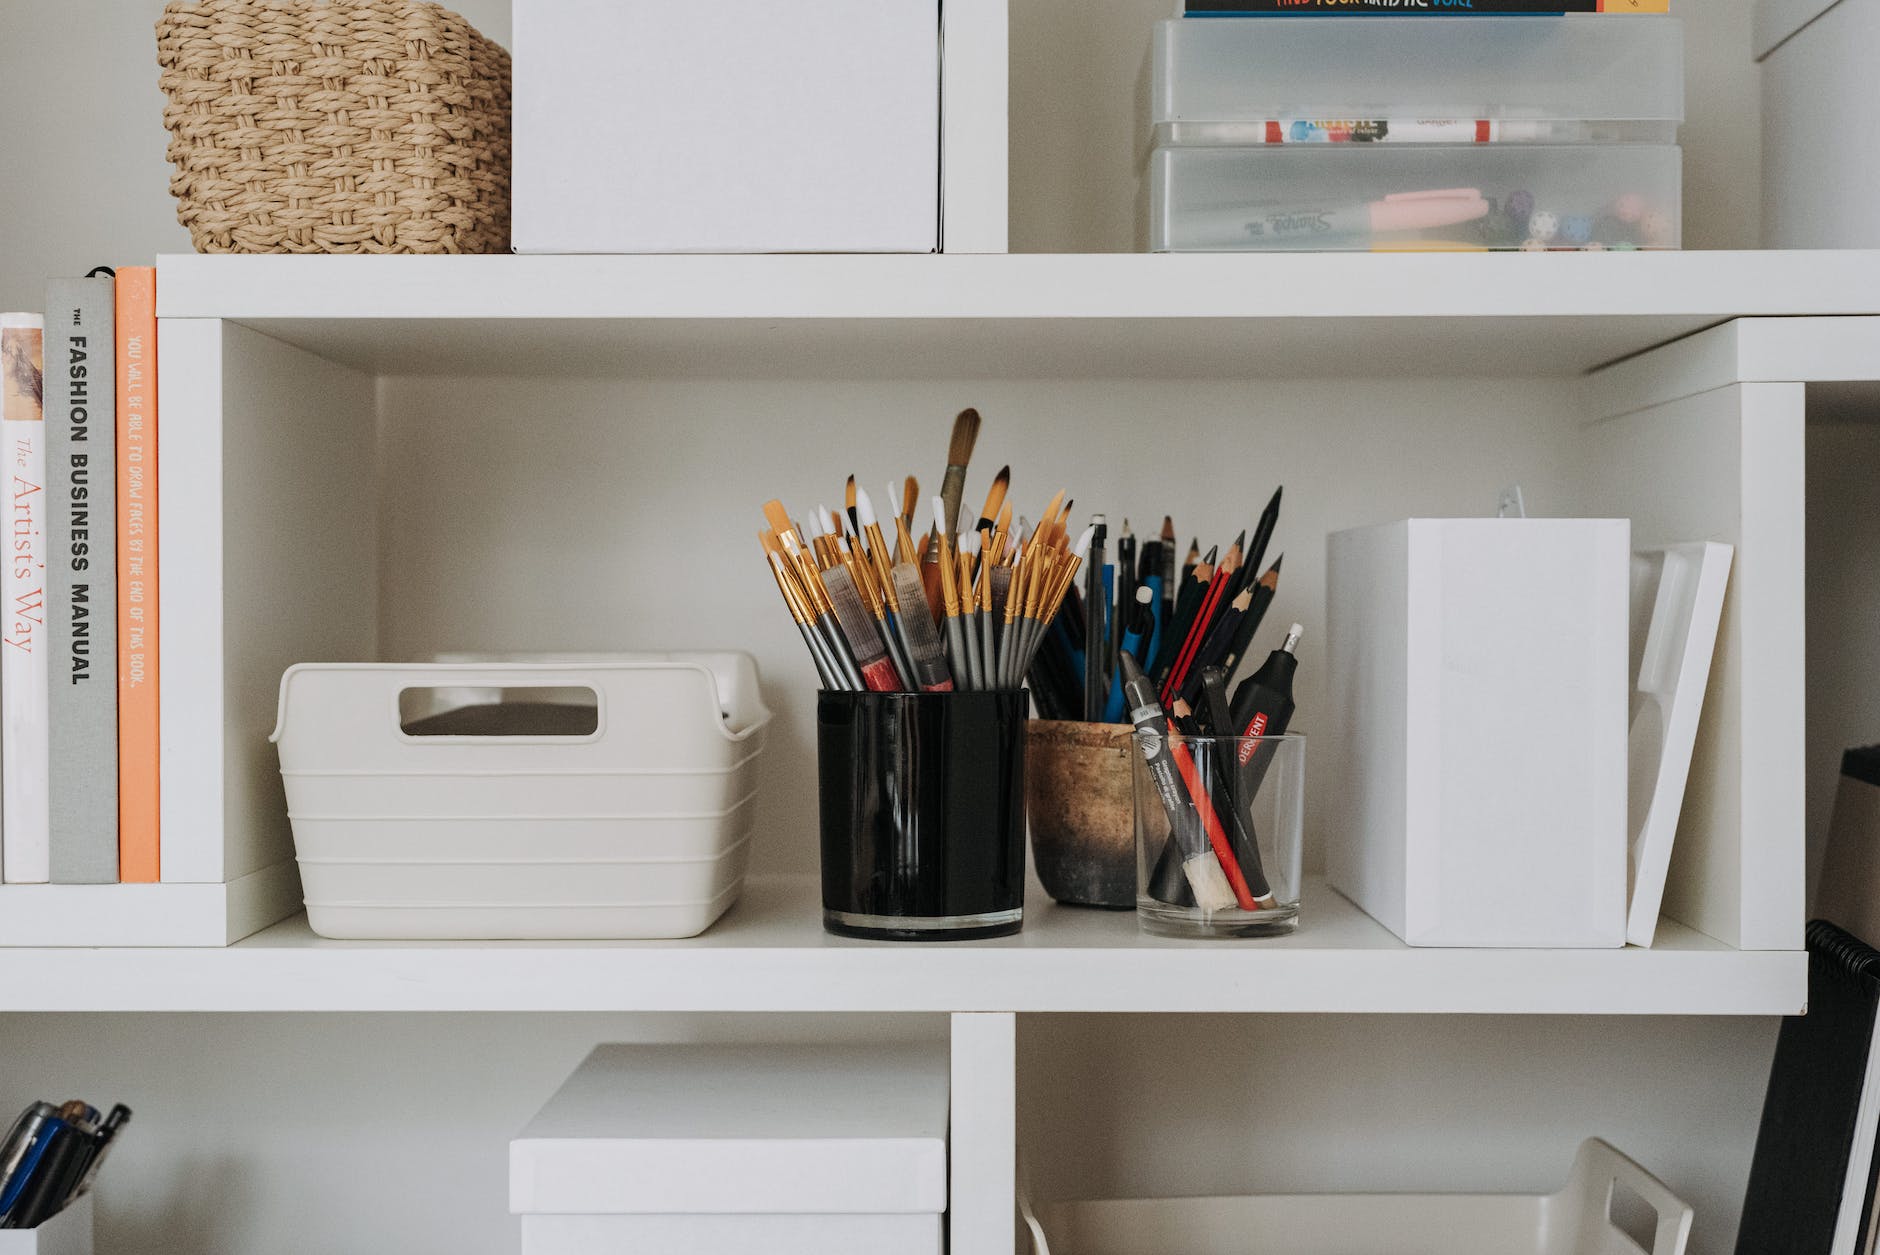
<point>1634,1208</point>
<point>533,711</point>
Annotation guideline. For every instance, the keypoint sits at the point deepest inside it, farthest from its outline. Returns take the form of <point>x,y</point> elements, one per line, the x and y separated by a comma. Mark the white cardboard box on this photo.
<point>68,1233</point>
<point>787,1130</point>
<point>738,126</point>
<point>1478,679</point>
<point>734,1235</point>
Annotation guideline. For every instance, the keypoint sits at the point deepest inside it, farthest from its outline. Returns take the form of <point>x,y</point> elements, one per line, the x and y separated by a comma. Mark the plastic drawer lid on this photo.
<point>1560,69</point>
<point>738,708</point>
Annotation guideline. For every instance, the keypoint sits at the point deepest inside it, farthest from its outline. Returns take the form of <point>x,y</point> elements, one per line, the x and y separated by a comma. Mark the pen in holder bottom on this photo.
<point>922,800</point>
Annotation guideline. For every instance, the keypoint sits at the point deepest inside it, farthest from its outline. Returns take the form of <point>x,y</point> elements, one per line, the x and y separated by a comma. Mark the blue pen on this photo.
<point>1140,624</point>
<point>10,1193</point>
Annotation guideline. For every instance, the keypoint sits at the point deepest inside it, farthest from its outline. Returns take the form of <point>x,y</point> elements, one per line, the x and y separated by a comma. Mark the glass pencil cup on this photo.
<point>1219,825</point>
<point>922,799</point>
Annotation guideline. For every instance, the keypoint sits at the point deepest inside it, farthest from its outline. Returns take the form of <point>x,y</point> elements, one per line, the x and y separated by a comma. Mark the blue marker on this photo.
<point>1140,627</point>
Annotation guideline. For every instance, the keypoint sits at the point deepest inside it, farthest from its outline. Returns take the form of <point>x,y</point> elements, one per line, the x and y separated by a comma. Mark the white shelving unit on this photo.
<point>343,479</point>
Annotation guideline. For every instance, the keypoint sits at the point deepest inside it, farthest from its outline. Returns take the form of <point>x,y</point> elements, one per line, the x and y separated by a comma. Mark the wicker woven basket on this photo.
<point>350,126</point>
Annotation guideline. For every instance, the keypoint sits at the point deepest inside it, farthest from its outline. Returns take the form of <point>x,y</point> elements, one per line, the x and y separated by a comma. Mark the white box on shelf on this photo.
<point>741,126</point>
<point>1479,692</point>
<point>68,1233</point>
<point>824,1234</point>
<point>783,1130</point>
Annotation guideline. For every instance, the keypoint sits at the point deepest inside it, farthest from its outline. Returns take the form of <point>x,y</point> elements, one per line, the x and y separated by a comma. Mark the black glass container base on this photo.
<point>944,928</point>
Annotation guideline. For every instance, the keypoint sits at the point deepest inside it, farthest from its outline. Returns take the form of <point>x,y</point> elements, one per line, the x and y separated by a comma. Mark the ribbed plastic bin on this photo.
<point>1605,1196</point>
<point>603,798</point>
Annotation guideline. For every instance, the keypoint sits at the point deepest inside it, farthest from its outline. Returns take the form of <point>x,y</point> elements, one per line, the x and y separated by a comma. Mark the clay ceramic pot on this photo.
<point>1081,812</point>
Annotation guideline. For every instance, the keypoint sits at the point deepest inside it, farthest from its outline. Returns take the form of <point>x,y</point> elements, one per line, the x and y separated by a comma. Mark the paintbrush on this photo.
<point>881,575</point>
<point>822,612</point>
<point>871,655</point>
<point>969,609</point>
<point>952,488</point>
<point>995,498</point>
<point>942,550</point>
<point>799,611</point>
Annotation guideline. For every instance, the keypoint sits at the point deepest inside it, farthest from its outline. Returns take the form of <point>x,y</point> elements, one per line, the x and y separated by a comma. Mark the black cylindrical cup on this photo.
<point>923,813</point>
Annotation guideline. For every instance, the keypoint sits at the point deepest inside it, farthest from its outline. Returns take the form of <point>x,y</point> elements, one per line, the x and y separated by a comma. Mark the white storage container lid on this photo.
<point>745,1129</point>
<point>1590,69</point>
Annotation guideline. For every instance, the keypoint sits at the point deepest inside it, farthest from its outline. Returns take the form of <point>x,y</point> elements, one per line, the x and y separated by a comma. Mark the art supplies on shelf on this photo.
<point>1474,133</point>
<point>874,614</point>
<point>51,1156</point>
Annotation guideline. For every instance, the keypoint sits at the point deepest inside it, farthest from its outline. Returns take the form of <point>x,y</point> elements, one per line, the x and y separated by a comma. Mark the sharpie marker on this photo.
<point>1313,224</point>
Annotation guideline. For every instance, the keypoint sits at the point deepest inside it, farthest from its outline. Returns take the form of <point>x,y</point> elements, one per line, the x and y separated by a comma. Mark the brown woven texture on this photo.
<point>349,126</point>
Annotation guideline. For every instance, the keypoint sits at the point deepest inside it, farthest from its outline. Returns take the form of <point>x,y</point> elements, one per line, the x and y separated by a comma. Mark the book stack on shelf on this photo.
<point>78,675</point>
<point>1416,125</point>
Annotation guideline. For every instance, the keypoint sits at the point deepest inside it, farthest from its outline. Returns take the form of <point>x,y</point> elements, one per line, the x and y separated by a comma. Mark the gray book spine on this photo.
<point>81,477</point>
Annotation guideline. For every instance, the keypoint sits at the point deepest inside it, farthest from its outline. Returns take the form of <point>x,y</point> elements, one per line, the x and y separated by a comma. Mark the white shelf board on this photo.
<point>770,953</point>
<point>1021,316</point>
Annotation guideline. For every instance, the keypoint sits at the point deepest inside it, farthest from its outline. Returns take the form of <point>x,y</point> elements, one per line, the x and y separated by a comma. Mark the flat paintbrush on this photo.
<point>882,572</point>
<point>871,656</point>
<point>924,651</point>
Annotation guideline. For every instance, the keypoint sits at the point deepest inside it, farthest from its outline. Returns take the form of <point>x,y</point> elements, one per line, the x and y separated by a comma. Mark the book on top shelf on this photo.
<point>1417,8</point>
<point>25,829</point>
<point>81,454</point>
<point>138,724</point>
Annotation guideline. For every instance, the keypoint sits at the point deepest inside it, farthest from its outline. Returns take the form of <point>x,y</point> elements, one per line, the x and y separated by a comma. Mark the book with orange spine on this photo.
<point>138,718</point>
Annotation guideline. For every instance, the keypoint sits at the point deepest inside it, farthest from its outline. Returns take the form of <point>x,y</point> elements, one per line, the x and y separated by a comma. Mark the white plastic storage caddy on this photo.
<point>705,1149</point>
<point>659,126</point>
<point>1579,1219</point>
<point>632,821</point>
<point>68,1233</point>
<point>1479,696</point>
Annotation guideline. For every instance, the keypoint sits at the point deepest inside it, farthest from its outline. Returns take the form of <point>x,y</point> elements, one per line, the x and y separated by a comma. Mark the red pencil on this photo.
<point>1217,836</point>
<point>1198,630</point>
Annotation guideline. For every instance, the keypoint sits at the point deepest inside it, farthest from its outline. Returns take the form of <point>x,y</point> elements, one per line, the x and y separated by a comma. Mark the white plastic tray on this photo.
<point>1575,1220</point>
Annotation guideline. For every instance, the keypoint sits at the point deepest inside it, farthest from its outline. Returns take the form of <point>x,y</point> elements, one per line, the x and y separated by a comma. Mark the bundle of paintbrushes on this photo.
<point>965,608</point>
<point>1181,621</point>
